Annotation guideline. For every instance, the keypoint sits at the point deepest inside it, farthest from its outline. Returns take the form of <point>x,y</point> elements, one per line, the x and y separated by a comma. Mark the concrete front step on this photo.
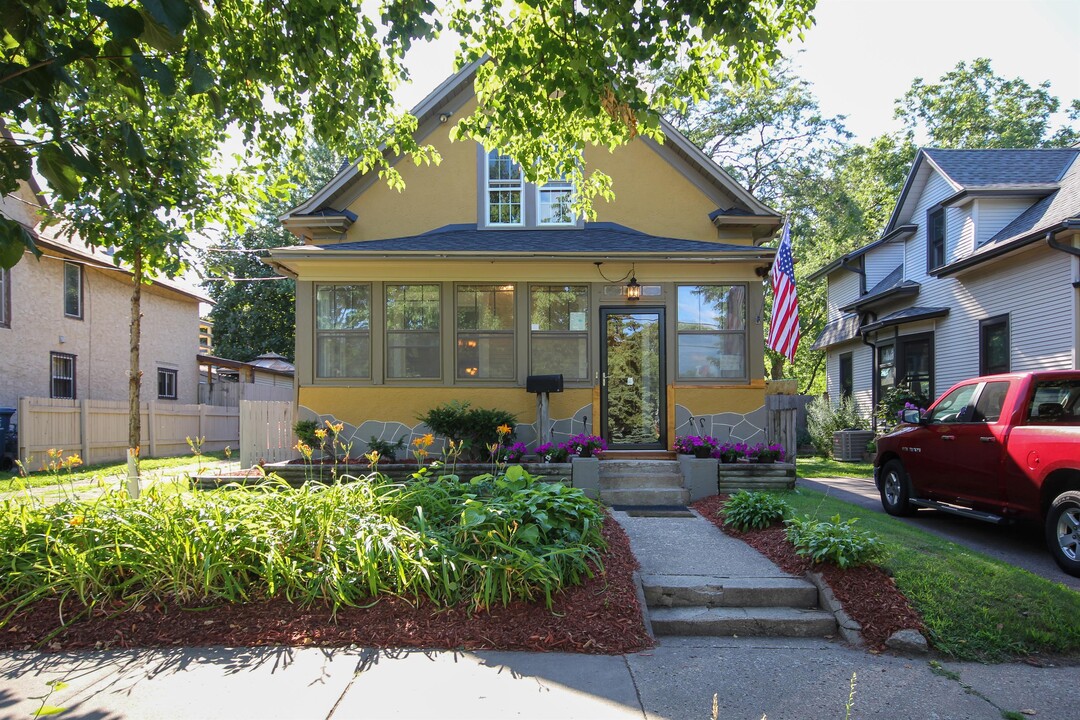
<point>744,621</point>
<point>645,496</point>
<point>638,467</point>
<point>630,482</point>
<point>704,591</point>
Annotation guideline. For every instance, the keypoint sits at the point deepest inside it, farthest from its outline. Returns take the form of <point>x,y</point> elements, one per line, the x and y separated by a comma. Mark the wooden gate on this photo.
<point>266,432</point>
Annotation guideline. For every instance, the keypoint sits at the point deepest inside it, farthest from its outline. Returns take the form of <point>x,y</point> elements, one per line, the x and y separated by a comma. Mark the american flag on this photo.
<point>784,329</point>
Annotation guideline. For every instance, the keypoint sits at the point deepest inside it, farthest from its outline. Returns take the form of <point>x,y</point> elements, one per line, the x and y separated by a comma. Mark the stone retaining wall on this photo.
<point>296,475</point>
<point>732,477</point>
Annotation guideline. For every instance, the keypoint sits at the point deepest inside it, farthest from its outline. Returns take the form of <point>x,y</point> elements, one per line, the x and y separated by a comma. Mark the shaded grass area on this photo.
<point>11,481</point>
<point>819,467</point>
<point>974,607</point>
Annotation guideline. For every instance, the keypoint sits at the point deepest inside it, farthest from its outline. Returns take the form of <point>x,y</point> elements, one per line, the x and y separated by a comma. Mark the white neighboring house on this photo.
<point>977,272</point>
<point>65,319</point>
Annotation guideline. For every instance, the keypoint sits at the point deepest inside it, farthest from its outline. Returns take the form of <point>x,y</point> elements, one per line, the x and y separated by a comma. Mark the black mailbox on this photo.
<point>544,383</point>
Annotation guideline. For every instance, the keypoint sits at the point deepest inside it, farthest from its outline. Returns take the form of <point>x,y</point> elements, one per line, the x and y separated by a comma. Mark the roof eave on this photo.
<point>1004,249</point>
<point>882,324</point>
<point>883,298</point>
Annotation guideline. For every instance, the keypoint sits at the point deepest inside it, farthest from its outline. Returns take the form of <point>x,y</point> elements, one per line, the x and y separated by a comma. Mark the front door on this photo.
<point>632,391</point>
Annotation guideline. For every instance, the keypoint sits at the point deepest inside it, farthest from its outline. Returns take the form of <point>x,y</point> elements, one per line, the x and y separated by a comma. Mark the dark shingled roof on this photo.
<point>906,315</point>
<point>983,169</point>
<point>892,286</point>
<point>594,238</point>
<point>840,330</point>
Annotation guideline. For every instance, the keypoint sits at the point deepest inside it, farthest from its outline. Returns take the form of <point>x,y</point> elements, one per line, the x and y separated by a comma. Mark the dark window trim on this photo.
<point>936,211</point>
<point>897,342</point>
<point>5,298</point>
<point>53,356</point>
<point>984,368</point>
<point>848,386</point>
<point>82,283</point>
<point>175,376</point>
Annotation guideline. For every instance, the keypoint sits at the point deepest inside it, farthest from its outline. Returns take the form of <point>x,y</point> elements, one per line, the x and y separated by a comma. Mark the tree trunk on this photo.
<point>776,362</point>
<point>135,375</point>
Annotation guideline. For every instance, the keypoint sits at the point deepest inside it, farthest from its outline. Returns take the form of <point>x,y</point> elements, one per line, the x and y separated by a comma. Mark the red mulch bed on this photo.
<point>602,616</point>
<point>867,593</point>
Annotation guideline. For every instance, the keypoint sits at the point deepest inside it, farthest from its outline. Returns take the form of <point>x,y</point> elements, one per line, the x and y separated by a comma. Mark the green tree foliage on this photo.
<point>252,316</point>
<point>972,107</point>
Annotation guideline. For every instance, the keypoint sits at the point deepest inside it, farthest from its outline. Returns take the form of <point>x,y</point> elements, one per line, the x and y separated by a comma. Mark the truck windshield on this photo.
<point>1055,402</point>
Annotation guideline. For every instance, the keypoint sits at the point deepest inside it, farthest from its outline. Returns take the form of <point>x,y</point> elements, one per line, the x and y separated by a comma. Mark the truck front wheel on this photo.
<point>1063,531</point>
<point>895,489</point>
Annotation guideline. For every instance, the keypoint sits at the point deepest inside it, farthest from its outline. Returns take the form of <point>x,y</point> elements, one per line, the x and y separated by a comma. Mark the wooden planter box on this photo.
<point>297,475</point>
<point>733,477</point>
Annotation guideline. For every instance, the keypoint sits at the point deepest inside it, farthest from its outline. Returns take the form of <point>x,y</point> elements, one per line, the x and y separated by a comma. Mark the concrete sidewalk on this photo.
<point>676,680</point>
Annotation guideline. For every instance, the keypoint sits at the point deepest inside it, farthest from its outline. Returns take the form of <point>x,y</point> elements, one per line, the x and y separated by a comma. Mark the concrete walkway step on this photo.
<point>742,621</point>
<point>645,496</point>
<point>704,591</point>
<point>629,482</point>
<point>638,467</point>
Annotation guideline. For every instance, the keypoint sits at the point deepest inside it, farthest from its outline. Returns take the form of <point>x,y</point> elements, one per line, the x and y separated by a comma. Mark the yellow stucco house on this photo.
<point>471,280</point>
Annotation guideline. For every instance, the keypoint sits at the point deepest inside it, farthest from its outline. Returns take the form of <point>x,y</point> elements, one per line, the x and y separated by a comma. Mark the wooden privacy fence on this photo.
<point>230,394</point>
<point>266,432</point>
<point>98,429</point>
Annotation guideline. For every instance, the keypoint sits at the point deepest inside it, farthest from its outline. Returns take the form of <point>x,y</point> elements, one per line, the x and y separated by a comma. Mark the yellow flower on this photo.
<point>320,433</point>
<point>76,521</point>
<point>335,427</point>
<point>504,429</point>
<point>428,439</point>
<point>373,457</point>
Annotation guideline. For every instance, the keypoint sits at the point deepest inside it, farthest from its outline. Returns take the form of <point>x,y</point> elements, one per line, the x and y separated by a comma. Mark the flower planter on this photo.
<point>755,477</point>
<point>699,475</point>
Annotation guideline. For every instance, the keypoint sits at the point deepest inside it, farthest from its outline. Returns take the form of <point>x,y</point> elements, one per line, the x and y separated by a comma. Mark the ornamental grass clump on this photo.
<point>754,510</point>
<point>485,542</point>
<point>834,541</point>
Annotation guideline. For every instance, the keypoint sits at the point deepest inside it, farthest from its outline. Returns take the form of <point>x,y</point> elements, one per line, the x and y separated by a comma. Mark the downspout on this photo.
<point>873,372</point>
<point>1071,224</point>
<point>1059,246</point>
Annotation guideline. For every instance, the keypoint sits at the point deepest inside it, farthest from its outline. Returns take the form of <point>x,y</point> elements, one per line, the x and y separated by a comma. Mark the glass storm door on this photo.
<point>632,399</point>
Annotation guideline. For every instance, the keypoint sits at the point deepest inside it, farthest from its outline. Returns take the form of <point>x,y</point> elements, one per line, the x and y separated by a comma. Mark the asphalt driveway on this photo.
<point>1021,544</point>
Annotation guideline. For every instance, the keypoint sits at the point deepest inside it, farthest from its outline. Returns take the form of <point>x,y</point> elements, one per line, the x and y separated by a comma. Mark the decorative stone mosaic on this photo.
<point>725,426</point>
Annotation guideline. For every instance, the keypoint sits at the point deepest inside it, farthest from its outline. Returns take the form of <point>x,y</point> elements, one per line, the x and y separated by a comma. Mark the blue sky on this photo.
<point>863,54</point>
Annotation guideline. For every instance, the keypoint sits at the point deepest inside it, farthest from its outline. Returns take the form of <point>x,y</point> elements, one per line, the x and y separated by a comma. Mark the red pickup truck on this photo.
<point>996,448</point>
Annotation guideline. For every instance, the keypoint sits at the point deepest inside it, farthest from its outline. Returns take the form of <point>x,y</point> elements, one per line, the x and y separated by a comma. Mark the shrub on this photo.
<point>385,448</point>
<point>823,419</point>
<point>305,430</point>
<point>834,541</point>
<point>895,400</point>
<point>754,510</point>
<point>478,428</point>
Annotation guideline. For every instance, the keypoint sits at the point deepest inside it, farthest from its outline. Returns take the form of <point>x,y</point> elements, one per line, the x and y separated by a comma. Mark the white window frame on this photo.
<point>491,186</point>
<point>560,185</point>
<point>170,375</point>
<point>79,270</point>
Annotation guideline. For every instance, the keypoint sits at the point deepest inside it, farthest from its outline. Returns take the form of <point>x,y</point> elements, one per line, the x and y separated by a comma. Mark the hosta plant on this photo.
<point>834,541</point>
<point>754,510</point>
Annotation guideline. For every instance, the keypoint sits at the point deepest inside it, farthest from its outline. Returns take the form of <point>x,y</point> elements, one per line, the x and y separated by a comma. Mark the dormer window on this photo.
<point>504,191</point>
<point>553,203</point>
<point>935,238</point>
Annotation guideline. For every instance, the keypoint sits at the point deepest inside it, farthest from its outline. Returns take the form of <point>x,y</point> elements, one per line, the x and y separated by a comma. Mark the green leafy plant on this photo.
<point>387,450</point>
<point>305,430</point>
<point>746,510</point>
<point>895,400</point>
<point>823,419</point>
<point>478,428</point>
<point>834,541</point>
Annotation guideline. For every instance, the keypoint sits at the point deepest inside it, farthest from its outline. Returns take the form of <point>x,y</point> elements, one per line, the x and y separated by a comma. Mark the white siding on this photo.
<point>862,374</point>
<point>881,261</point>
<point>843,290</point>
<point>937,189</point>
<point>993,214</point>
<point>959,232</point>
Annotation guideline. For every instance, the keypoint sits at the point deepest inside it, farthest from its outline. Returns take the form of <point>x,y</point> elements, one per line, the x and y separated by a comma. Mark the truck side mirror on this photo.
<point>911,416</point>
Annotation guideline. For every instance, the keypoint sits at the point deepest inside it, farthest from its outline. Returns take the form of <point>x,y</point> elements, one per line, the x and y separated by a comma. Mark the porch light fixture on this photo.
<point>633,289</point>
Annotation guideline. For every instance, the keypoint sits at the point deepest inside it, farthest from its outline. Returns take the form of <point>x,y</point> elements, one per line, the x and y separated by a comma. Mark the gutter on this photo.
<point>1007,248</point>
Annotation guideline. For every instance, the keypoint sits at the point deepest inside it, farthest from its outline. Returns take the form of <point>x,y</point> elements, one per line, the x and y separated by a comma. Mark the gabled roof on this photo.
<point>596,239</point>
<point>891,288</point>
<point>428,114</point>
<point>1051,214</point>
<point>907,315</point>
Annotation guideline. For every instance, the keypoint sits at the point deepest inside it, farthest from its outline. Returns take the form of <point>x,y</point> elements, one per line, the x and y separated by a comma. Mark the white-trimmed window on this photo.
<point>485,332</point>
<point>166,383</point>
<point>711,332</point>
<point>559,331</point>
<point>412,331</point>
<point>553,203</point>
<point>343,331</point>
<point>5,298</point>
<point>62,376</point>
<point>73,290</point>
<point>505,190</point>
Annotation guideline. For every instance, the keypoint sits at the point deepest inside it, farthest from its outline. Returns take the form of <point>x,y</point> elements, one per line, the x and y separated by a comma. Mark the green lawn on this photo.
<point>974,607</point>
<point>10,481</point>
<point>819,467</point>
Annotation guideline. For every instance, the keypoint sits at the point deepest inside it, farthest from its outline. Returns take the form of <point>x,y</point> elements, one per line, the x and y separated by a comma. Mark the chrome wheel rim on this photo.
<point>1068,533</point>
<point>892,488</point>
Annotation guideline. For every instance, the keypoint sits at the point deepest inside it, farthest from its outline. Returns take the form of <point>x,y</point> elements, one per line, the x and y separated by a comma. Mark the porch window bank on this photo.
<point>711,332</point>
